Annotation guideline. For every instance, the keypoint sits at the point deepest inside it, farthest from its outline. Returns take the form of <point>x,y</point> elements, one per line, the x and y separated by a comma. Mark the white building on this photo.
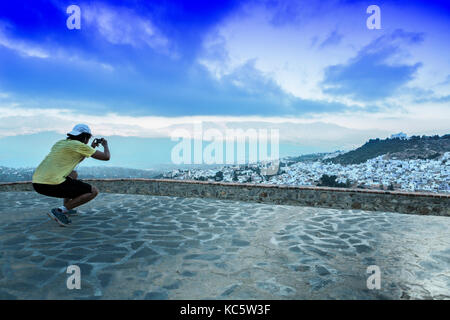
<point>399,135</point>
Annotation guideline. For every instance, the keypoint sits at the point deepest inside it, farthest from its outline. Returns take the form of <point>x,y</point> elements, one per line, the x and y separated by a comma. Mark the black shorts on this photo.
<point>69,189</point>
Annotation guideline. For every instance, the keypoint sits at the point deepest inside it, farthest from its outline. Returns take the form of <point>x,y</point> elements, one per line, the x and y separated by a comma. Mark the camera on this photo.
<point>98,141</point>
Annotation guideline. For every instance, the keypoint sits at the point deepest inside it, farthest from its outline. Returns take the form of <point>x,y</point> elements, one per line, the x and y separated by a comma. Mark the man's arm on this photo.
<point>105,155</point>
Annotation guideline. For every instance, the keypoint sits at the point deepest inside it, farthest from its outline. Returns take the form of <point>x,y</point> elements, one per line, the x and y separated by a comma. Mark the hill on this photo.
<point>25,174</point>
<point>416,147</point>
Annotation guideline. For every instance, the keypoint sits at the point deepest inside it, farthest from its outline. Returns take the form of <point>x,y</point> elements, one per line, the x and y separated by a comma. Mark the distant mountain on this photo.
<point>415,147</point>
<point>312,157</point>
<point>126,152</point>
<point>26,174</point>
<point>115,172</point>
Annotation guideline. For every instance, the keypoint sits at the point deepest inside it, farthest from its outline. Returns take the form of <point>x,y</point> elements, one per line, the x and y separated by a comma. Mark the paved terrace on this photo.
<point>159,247</point>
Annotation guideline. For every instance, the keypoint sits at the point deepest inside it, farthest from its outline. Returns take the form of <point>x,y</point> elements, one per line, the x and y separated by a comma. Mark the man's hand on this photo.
<point>105,155</point>
<point>101,141</point>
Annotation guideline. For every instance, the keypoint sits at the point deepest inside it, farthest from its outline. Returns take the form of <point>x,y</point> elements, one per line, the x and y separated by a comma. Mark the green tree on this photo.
<point>218,176</point>
<point>330,181</point>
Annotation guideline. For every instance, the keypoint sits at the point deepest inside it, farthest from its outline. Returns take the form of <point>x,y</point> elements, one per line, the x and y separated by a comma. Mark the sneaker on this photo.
<point>59,217</point>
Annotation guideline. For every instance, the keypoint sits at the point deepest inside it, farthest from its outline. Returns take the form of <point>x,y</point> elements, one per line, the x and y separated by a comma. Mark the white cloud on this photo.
<point>290,52</point>
<point>24,48</point>
<point>428,119</point>
<point>48,51</point>
<point>119,25</point>
<point>327,131</point>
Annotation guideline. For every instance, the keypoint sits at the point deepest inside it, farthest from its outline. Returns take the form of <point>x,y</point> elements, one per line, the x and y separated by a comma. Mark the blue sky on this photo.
<point>142,68</point>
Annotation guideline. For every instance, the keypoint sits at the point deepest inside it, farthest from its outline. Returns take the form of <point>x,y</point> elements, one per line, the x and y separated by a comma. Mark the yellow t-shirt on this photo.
<point>60,162</point>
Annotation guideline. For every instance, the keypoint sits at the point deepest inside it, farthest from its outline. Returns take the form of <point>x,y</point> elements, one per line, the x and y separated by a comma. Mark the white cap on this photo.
<point>79,129</point>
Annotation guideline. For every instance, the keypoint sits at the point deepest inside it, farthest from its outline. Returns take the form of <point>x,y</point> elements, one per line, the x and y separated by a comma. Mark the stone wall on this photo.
<point>392,201</point>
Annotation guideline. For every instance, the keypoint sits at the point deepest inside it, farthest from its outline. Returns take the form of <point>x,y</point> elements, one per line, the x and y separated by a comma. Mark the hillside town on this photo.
<point>396,163</point>
<point>428,175</point>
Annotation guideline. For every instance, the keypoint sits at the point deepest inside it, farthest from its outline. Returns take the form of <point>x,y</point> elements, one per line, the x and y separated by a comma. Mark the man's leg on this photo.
<point>74,176</point>
<point>84,198</point>
<point>75,193</point>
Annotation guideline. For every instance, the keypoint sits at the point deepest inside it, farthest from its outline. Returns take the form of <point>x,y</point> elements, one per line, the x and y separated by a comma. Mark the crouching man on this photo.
<point>55,177</point>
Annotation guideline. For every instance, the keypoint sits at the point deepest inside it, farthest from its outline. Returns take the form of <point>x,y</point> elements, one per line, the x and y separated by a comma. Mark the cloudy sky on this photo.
<point>312,69</point>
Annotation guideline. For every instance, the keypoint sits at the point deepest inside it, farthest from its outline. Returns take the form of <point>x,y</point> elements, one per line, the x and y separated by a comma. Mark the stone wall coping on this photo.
<point>264,186</point>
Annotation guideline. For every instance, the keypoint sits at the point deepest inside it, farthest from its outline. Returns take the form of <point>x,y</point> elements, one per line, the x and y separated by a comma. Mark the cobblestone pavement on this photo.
<point>149,247</point>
